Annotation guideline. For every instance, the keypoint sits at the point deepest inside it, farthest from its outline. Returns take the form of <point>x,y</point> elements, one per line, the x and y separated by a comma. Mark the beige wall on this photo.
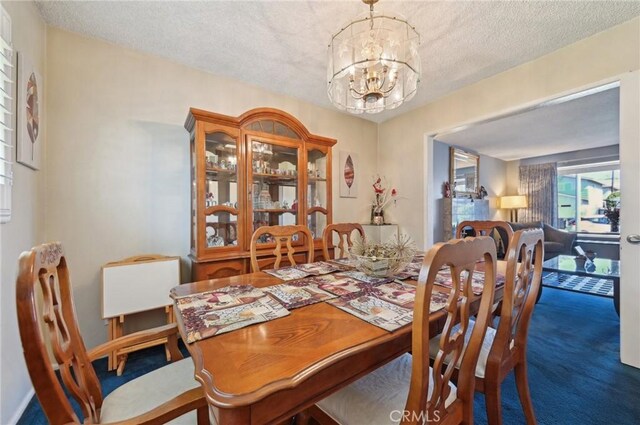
<point>118,164</point>
<point>402,151</point>
<point>27,225</point>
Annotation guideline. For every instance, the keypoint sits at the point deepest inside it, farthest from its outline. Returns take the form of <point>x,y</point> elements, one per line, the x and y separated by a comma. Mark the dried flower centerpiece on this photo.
<point>382,259</point>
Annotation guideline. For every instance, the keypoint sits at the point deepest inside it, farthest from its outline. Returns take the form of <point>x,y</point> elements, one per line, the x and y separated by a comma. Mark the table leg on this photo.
<point>616,295</point>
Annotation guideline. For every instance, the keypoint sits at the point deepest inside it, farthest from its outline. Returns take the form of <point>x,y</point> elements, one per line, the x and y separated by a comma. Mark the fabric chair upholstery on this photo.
<point>363,403</point>
<point>152,389</point>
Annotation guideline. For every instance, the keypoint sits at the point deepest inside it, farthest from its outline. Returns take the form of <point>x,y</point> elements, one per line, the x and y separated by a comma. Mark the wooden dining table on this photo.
<point>268,372</point>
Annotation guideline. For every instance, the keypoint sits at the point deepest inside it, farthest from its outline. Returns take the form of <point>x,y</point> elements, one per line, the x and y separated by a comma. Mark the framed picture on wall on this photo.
<point>348,175</point>
<point>29,113</point>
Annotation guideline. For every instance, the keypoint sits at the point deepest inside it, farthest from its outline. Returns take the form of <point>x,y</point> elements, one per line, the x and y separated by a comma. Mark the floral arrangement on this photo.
<point>382,259</point>
<point>383,196</point>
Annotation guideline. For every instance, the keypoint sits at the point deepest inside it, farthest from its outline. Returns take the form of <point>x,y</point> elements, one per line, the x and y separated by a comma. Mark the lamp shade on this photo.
<point>513,201</point>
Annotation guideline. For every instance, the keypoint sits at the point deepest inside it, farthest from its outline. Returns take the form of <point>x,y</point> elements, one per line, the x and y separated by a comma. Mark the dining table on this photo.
<point>268,372</point>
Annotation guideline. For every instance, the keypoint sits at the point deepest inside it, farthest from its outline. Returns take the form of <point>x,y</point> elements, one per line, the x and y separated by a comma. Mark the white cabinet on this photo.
<point>457,210</point>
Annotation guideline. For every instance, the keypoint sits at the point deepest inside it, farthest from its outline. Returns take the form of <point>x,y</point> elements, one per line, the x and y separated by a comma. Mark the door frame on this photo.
<point>629,85</point>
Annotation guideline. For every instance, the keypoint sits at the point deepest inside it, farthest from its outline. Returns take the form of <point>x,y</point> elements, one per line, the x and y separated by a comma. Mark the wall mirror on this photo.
<point>463,172</point>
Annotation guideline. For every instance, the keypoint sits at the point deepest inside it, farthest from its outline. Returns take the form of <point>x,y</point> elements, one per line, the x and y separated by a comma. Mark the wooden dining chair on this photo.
<point>168,393</point>
<point>344,231</point>
<point>505,349</point>
<point>406,390</point>
<point>486,228</point>
<point>282,235</point>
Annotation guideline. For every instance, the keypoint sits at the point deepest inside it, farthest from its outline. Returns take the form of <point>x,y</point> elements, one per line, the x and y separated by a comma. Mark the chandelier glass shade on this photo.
<point>373,64</point>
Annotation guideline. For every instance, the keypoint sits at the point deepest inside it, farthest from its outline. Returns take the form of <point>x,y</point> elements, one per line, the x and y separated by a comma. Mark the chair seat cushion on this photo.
<point>434,346</point>
<point>149,391</point>
<point>372,398</point>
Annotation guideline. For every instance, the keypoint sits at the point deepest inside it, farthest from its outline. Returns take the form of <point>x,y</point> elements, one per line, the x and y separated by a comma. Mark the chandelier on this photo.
<point>373,63</point>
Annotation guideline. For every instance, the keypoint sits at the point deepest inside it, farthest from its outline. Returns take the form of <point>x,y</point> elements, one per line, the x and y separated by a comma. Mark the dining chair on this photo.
<point>486,228</point>
<point>44,300</point>
<point>344,231</point>
<point>282,235</point>
<point>406,390</point>
<point>505,349</point>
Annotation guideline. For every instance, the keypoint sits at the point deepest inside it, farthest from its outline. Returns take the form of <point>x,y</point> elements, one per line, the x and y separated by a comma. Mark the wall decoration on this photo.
<point>29,117</point>
<point>348,175</point>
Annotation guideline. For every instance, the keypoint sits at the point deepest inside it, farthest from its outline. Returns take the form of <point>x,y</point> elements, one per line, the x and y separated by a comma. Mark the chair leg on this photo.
<point>522,383</point>
<point>303,418</point>
<point>203,415</point>
<point>493,402</point>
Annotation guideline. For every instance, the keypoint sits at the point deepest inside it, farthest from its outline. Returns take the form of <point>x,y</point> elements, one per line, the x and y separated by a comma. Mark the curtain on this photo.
<point>539,183</point>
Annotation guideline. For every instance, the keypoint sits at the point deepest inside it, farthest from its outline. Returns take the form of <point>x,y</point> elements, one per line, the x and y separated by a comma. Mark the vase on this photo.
<point>615,227</point>
<point>377,217</point>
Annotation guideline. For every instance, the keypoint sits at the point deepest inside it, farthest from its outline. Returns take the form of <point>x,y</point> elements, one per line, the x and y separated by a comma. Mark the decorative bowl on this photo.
<point>381,266</point>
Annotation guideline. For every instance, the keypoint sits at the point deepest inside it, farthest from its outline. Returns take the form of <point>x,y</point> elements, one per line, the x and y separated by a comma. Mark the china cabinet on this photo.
<point>262,168</point>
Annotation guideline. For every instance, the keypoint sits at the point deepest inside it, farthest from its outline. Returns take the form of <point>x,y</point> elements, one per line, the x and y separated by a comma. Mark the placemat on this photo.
<point>397,293</point>
<point>344,262</point>
<point>365,278</point>
<point>404,295</point>
<point>443,278</point>
<point>318,268</point>
<point>226,309</point>
<point>374,310</point>
<point>340,285</point>
<point>300,271</point>
<point>298,294</point>
<point>411,271</point>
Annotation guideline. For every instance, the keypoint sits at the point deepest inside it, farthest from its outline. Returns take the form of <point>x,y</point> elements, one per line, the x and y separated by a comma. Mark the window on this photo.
<point>587,194</point>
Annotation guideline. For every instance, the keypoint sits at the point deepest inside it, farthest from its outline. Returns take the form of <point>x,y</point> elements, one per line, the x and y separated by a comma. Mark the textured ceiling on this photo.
<point>281,45</point>
<point>588,122</point>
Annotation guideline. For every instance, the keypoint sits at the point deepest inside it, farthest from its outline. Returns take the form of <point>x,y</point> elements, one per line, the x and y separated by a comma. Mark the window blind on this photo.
<point>6,116</point>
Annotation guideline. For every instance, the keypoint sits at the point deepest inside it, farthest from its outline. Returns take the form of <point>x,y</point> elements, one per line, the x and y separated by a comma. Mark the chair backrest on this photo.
<point>522,284</point>
<point>45,267</point>
<point>344,231</point>
<point>460,257</point>
<point>281,234</point>
<point>485,227</point>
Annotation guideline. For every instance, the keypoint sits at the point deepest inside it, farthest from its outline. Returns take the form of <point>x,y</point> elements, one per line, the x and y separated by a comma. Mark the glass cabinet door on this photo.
<point>221,190</point>
<point>317,204</point>
<point>274,184</point>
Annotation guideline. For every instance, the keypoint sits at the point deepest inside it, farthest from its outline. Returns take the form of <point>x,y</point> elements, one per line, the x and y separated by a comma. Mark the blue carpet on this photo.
<point>574,369</point>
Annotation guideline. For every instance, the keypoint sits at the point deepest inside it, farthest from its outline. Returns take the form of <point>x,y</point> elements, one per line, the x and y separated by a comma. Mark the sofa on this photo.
<point>556,241</point>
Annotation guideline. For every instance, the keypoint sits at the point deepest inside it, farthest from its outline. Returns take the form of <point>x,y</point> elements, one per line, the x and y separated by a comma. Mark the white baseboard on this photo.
<point>21,408</point>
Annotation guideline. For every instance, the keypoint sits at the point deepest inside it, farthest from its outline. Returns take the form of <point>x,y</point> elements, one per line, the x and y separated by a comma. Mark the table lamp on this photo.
<point>513,203</point>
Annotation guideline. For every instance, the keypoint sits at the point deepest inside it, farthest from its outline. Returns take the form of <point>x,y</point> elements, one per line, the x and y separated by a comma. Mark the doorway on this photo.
<point>628,88</point>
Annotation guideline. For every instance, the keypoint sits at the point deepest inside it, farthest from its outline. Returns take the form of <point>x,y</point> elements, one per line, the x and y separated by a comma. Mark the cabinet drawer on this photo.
<point>216,269</point>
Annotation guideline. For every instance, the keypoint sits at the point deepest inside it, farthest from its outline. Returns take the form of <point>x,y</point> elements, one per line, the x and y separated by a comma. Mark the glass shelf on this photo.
<point>317,191</point>
<point>274,174</point>
<point>221,189</point>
